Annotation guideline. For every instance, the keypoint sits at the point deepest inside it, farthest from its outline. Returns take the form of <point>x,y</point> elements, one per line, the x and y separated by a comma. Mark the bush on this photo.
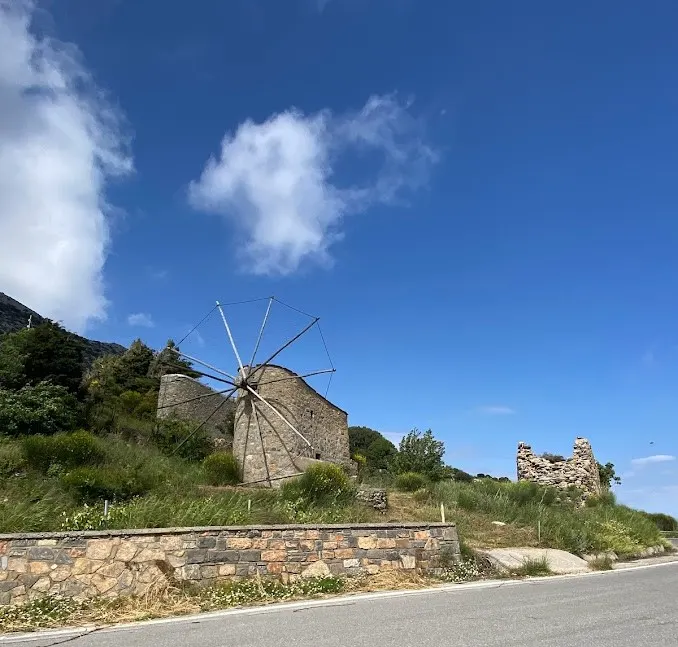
<point>664,522</point>
<point>180,438</point>
<point>410,482</point>
<point>67,450</point>
<point>221,469</point>
<point>320,483</point>
<point>41,409</point>
<point>11,458</point>
<point>89,485</point>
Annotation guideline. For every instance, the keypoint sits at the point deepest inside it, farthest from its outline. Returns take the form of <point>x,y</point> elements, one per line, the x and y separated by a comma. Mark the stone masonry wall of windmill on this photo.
<point>279,452</point>
<point>580,471</point>
<point>178,397</point>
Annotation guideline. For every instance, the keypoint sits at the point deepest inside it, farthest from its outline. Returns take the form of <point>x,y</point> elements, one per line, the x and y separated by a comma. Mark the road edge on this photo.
<point>72,633</point>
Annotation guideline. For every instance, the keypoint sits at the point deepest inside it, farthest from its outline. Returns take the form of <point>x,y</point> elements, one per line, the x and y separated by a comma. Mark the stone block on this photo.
<point>317,569</point>
<point>207,542</point>
<point>225,570</point>
<point>39,568</point>
<point>198,556</point>
<point>344,553</point>
<point>275,568</point>
<point>44,553</point>
<point>367,543</point>
<point>351,563</point>
<point>273,555</point>
<point>251,556</point>
<point>239,543</point>
<point>99,548</point>
<point>60,573</point>
<point>386,543</point>
<point>218,556</point>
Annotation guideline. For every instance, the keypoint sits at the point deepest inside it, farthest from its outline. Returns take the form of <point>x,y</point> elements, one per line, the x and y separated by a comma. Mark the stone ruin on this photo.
<point>580,471</point>
<point>268,452</point>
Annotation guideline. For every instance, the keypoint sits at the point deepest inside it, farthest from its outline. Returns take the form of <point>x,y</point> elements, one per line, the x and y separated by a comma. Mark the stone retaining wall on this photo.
<point>113,563</point>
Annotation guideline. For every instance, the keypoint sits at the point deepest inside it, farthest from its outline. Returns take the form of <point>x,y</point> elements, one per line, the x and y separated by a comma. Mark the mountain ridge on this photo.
<point>14,316</point>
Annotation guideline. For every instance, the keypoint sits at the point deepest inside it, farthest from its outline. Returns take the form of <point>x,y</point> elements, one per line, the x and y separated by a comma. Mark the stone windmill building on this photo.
<point>271,447</point>
<point>281,424</point>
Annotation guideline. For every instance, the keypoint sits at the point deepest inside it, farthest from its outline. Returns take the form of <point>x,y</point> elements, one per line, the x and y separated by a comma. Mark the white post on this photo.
<point>442,511</point>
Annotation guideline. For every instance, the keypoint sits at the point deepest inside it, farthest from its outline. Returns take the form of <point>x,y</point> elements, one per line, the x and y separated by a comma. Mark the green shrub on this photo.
<point>604,499</point>
<point>89,485</point>
<point>410,482</point>
<point>179,438</point>
<point>11,458</point>
<point>323,482</point>
<point>41,409</point>
<point>67,450</point>
<point>664,522</point>
<point>221,469</point>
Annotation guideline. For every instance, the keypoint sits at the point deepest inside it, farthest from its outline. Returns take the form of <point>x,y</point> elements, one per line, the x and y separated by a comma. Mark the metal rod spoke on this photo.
<point>205,364</point>
<point>280,415</point>
<point>282,348</point>
<point>197,397</point>
<point>202,424</point>
<point>297,377</point>
<point>211,377</point>
<point>230,338</point>
<point>261,332</point>
<point>261,439</point>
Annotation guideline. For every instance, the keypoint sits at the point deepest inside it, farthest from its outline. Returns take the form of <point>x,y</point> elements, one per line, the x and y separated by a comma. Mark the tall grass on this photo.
<point>597,528</point>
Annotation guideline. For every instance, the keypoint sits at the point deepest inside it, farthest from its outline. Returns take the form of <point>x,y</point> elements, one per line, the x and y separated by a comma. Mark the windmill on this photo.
<point>281,423</point>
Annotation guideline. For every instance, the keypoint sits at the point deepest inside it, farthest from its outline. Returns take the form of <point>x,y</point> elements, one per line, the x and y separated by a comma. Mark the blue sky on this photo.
<point>478,200</point>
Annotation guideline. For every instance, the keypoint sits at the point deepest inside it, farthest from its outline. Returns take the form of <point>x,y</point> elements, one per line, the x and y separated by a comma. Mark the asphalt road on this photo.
<point>624,608</point>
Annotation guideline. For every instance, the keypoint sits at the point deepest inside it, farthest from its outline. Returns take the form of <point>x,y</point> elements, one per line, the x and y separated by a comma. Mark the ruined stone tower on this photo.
<point>580,471</point>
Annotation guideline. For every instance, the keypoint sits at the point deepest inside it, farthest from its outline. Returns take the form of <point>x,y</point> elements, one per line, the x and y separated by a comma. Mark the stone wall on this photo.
<point>193,401</point>
<point>580,471</point>
<point>114,563</point>
<point>271,449</point>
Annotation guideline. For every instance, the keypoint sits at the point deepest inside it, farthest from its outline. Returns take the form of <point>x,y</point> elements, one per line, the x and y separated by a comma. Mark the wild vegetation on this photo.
<point>72,437</point>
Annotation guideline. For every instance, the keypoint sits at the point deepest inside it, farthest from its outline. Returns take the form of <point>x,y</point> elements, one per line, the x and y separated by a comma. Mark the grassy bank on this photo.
<point>153,490</point>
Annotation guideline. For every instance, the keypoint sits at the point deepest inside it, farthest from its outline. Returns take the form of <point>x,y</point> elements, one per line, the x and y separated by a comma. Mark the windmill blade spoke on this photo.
<point>261,332</point>
<point>284,346</point>
<point>230,338</point>
<point>296,377</point>
<point>205,364</point>
<point>261,439</point>
<point>280,415</point>
<point>211,377</point>
<point>202,424</point>
<point>198,397</point>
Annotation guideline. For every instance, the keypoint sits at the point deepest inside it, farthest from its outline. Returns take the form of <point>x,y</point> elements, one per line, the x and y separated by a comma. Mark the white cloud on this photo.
<point>60,142</point>
<point>657,458</point>
<point>496,410</point>
<point>276,180</point>
<point>140,319</point>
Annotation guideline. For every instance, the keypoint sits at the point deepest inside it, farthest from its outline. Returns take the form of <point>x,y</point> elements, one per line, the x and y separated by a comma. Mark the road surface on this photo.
<point>625,608</point>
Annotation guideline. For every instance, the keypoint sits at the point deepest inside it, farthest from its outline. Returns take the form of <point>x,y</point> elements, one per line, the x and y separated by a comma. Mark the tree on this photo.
<point>421,453</point>
<point>377,450</point>
<point>44,353</point>
<point>608,475</point>
<point>168,360</point>
<point>380,453</point>
<point>360,438</point>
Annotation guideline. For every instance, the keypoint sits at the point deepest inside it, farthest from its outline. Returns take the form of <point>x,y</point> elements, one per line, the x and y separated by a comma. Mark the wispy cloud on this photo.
<point>275,181</point>
<point>496,410</point>
<point>159,275</point>
<point>648,460</point>
<point>140,319</point>
<point>60,144</point>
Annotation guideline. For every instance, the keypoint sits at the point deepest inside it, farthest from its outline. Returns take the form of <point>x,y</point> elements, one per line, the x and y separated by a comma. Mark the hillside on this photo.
<point>14,316</point>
